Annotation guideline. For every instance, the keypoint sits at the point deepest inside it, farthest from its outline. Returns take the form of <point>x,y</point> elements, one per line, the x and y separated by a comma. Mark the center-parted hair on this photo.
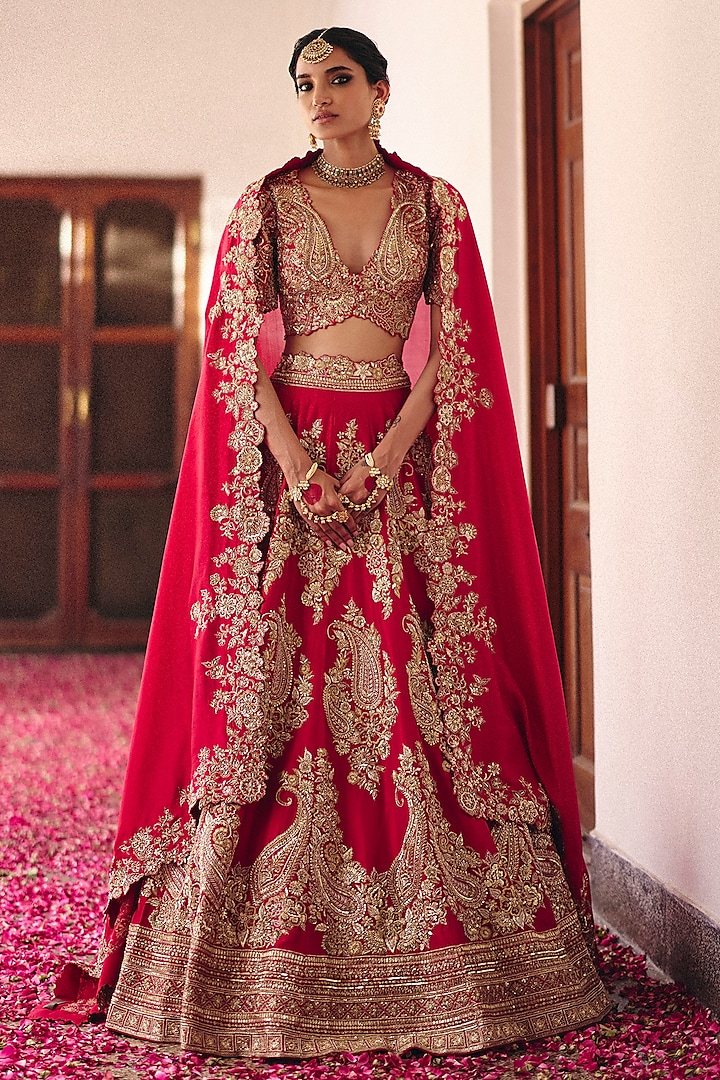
<point>359,48</point>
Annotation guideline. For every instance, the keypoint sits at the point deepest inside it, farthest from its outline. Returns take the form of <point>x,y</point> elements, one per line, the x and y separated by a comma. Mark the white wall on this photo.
<point>651,88</point>
<point>439,111</point>
<point>171,87</point>
<point>509,203</point>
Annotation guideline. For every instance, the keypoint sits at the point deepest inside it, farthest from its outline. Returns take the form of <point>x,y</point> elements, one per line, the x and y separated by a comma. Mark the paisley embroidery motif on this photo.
<point>307,876</point>
<point>359,698</point>
<point>288,687</point>
<point>421,685</point>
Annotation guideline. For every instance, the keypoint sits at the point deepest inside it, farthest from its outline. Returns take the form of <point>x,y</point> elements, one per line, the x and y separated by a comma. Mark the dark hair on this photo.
<point>358,46</point>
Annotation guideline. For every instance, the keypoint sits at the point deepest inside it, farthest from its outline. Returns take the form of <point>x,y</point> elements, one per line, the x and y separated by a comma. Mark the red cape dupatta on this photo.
<point>201,736</point>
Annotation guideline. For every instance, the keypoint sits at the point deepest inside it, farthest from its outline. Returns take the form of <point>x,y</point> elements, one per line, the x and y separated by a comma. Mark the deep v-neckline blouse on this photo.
<point>324,227</point>
<point>317,289</point>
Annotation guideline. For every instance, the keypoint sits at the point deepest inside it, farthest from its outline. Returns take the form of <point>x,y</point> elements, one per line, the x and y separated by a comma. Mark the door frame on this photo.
<point>543,304</point>
<point>554,404</point>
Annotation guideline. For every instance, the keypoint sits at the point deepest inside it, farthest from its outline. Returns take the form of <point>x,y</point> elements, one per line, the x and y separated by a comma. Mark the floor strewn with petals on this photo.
<point>65,723</point>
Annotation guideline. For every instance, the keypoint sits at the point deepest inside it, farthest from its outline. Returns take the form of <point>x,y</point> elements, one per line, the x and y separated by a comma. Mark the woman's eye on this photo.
<point>303,87</point>
<point>339,80</point>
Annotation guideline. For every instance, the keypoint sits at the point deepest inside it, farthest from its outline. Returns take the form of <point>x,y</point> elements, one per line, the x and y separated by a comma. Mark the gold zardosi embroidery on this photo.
<point>317,289</point>
<point>340,373</point>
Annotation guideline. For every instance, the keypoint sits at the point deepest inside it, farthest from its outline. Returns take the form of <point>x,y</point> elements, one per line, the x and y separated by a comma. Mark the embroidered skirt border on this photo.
<point>271,1003</point>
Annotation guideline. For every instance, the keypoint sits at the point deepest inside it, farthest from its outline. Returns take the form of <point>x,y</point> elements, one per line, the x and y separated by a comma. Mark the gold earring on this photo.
<point>312,140</point>
<point>378,108</point>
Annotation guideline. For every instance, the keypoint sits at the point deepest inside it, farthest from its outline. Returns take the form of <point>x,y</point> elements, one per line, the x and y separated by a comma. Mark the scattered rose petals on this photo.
<point>68,721</point>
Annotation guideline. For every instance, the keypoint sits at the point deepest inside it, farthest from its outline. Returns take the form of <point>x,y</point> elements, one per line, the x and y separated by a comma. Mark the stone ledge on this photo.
<point>681,939</point>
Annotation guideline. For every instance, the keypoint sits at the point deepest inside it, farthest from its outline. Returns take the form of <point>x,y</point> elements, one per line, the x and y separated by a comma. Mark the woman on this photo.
<point>350,779</point>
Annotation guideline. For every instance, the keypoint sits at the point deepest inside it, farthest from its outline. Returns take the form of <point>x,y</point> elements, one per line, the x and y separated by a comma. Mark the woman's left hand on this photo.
<point>358,486</point>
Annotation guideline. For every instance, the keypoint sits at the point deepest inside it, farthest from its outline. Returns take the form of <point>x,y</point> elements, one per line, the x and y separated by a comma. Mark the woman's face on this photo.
<point>335,97</point>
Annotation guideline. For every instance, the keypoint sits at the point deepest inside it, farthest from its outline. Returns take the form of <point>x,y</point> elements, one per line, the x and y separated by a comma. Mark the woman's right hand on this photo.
<point>320,501</point>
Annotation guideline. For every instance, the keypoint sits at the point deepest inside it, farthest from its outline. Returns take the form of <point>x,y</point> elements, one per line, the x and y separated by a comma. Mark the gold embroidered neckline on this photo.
<point>317,289</point>
<point>307,197</point>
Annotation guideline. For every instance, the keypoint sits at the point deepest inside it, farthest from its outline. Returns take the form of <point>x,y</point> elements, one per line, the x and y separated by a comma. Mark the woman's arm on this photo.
<point>294,460</point>
<point>419,406</point>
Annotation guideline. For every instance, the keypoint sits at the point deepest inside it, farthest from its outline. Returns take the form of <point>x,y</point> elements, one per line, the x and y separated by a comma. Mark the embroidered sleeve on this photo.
<point>266,261</point>
<point>435,286</point>
<point>431,285</point>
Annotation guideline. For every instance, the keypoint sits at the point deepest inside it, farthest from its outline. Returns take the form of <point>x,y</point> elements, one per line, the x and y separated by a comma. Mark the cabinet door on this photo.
<point>132,364</point>
<point>35,592</point>
<point>98,363</point>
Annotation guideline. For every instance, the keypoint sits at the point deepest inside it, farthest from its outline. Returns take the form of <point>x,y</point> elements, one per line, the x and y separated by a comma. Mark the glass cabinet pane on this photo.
<point>127,536</point>
<point>29,263</point>
<point>134,264</point>
<point>132,408</point>
<point>29,546</point>
<point>29,387</point>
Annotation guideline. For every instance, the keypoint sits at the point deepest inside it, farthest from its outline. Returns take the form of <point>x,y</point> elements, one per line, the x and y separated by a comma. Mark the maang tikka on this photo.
<point>318,49</point>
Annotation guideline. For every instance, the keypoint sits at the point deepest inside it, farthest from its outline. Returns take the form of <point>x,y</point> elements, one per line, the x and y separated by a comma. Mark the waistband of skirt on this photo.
<point>341,373</point>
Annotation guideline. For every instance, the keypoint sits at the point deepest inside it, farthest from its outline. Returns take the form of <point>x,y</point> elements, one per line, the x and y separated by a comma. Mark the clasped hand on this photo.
<point>332,507</point>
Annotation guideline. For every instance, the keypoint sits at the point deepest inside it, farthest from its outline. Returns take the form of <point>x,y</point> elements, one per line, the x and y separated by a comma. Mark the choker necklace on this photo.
<point>350,178</point>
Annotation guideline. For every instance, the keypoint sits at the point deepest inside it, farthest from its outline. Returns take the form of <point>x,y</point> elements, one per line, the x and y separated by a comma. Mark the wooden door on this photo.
<point>561,497</point>
<point>98,361</point>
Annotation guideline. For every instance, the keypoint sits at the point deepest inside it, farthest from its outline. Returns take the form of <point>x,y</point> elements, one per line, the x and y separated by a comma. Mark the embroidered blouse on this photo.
<point>298,262</point>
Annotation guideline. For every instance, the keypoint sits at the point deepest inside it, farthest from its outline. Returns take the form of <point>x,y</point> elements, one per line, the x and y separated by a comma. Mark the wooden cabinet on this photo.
<point>98,365</point>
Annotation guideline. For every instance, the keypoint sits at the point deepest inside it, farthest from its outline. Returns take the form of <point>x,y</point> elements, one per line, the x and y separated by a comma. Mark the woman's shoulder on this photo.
<point>253,212</point>
<point>440,196</point>
<point>446,198</point>
<point>441,192</point>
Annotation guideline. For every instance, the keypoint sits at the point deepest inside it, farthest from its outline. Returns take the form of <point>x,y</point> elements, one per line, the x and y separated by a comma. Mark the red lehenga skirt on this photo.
<point>357,906</point>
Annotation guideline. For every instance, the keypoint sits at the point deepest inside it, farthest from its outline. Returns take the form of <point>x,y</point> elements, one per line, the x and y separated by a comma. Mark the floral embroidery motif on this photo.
<point>359,697</point>
<point>236,772</point>
<point>350,449</point>
<point>340,373</point>
<point>169,838</point>
<point>321,567</point>
<point>458,618</point>
<point>312,440</point>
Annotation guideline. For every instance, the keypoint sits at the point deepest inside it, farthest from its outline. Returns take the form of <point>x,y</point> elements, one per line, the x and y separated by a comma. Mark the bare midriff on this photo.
<point>359,339</point>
